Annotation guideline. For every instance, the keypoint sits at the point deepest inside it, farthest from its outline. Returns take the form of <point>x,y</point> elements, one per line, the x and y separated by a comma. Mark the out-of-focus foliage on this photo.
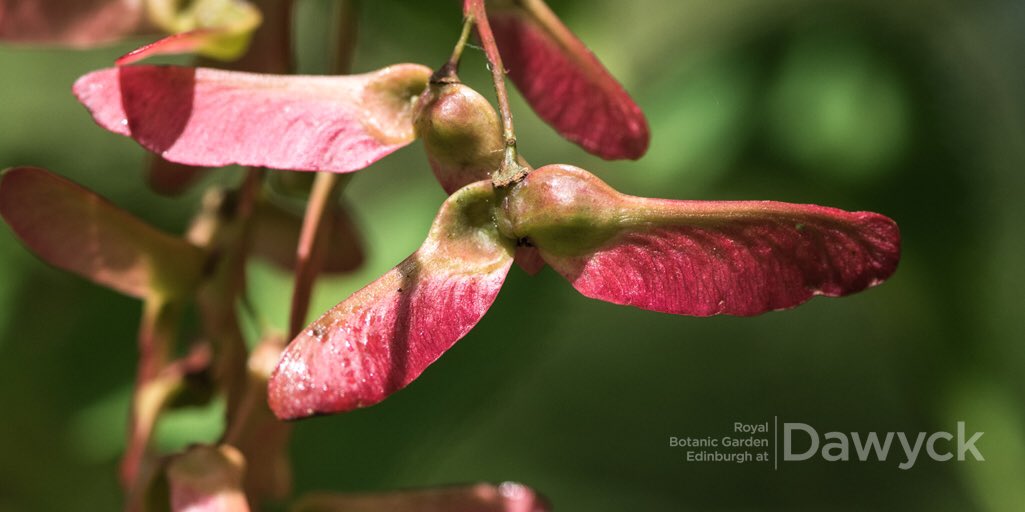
<point>913,109</point>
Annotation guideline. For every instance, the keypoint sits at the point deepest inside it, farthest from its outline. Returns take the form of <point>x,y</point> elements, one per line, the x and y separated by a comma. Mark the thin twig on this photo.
<point>311,250</point>
<point>510,171</point>
<point>449,72</point>
<point>309,256</point>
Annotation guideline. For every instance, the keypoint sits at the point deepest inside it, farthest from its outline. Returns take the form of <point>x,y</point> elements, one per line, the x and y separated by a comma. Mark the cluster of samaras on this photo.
<point>682,257</point>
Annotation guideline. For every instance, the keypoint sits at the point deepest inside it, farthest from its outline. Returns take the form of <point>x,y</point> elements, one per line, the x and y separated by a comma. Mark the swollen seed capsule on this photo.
<point>462,134</point>
<point>563,209</point>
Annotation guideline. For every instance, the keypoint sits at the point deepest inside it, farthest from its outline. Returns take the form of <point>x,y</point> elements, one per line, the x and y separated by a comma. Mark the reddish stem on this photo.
<point>157,332</point>
<point>309,255</point>
<point>228,282</point>
<point>449,72</point>
<point>510,171</point>
<point>310,252</point>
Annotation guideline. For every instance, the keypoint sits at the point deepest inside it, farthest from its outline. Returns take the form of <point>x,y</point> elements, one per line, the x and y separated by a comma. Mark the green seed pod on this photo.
<point>563,209</point>
<point>462,134</point>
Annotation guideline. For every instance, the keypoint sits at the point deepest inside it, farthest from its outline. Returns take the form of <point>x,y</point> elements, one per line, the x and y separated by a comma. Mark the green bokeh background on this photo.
<point>911,108</point>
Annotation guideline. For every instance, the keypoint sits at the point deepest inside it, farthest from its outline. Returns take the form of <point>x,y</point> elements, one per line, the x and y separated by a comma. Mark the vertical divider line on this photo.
<point>775,443</point>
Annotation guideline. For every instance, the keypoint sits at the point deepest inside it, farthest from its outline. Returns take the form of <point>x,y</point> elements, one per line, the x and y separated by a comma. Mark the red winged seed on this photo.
<point>382,337</point>
<point>565,83</point>
<point>74,229</point>
<point>209,117</point>
<point>697,257</point>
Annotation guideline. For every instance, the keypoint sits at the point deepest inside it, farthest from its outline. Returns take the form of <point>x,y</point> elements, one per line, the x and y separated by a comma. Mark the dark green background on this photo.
<point>910,108</point>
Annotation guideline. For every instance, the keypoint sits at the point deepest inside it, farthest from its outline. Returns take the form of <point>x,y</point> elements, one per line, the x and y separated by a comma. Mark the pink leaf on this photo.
<point>698,257</point>
<point>74,229</point>
<point>208,117</point>
<point>505,497</point>
<point>269,52</point>
<point>565,83</point>
<point>382,337</point>
<point>77,23</point>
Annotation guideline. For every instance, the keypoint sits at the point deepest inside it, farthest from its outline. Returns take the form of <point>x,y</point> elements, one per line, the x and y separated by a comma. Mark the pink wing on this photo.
<point>182,42</point>
<point>704,257</point>
<point>738,258</point>
<point>208,117</point>
<point>382,337</point>
<point>565,83</point>
<point>74,229</point>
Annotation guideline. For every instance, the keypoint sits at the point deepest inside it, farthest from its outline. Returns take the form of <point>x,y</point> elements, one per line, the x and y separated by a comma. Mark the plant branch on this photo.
<point>347,15</point>
<point>310,251</point>
<point>464,37</point>
<point>228,282</point>
<point>158,330</point>
<point>309,255</point>
<point>510,171</point>
<point>449,72</point>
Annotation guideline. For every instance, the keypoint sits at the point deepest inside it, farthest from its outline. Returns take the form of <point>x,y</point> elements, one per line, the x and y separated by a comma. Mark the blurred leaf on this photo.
<point>838,109</point>
<point>276,237</point>
<point>984,406</point>
<point>219,29</point>
<point>78,231</point>
<point>97,432</point>
<point>183,427</point>
<point>77,23</point>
